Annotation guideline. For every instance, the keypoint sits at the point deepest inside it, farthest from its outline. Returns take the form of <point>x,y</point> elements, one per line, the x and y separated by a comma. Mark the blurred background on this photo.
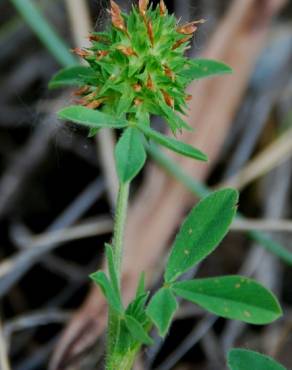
<point>57,187</point>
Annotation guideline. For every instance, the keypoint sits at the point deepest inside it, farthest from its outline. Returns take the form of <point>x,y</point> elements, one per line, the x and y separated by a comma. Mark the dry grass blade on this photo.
<point>275,154</point>
<point>57,237</point>
<point>37,318</point>
<point>194,337</point>
<point>4,361</point>
<point>85,230</point>
<point>80,19</point>
<point>263,225</point>
<point>259,263</point>
<point>23,260</point>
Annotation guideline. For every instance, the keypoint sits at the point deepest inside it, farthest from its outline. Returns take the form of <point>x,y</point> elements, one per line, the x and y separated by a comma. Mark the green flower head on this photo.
<point>137,68</point>
<point>138,65</point>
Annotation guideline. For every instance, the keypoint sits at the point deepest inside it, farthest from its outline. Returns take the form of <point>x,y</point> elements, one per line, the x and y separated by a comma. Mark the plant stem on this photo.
<point>119,226</point>
<point>118,239</point>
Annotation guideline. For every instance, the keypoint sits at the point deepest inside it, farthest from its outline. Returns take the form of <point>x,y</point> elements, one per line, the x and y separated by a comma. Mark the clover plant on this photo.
<point>137,68</point>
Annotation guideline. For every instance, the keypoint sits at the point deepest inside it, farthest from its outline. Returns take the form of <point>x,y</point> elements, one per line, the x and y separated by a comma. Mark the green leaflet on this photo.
<point>202,68</point>
<point>242,359</point>
<point>91,118</point>
<point>161,310</point>
<point>111,295</point>
<point>70,76</point>
<point>232,297</point>
<point>137,330</point>
<point>201,232</point>
<point>130,154</point>
<point>173,144</point>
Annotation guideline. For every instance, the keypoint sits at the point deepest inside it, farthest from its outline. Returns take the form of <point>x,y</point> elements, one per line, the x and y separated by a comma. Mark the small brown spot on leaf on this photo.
<point>247,314</point>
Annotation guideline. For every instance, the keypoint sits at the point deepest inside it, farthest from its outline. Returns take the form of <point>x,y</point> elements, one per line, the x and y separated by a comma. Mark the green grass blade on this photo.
<point>44,31</point>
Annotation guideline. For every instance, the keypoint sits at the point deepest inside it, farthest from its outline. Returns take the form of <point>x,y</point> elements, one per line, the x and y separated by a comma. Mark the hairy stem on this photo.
<point>118,239</point>
<point>119,227</point>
